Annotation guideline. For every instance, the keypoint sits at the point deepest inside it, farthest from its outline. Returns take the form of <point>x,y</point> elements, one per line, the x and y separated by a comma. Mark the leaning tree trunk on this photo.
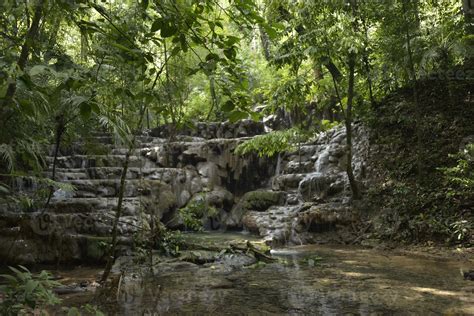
<point>121,193</point>
<point>118,214</point>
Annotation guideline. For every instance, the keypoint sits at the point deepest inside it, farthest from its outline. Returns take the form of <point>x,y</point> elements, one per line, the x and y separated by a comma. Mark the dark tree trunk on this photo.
<point>348,123</point>
<point>60,129</point>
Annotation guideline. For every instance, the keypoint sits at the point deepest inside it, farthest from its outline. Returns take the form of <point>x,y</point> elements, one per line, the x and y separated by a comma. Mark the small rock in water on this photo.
<point>469,275</point>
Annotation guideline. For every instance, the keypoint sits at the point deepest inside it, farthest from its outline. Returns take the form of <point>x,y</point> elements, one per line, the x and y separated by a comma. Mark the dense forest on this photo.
<point>179,141</point>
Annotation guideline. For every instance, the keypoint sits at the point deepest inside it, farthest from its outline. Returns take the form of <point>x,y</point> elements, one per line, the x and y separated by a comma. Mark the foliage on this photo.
<point>26,293</point>
<point>460,178</point>
<point>68,68</point>
<point>437,207</point>
<point>83,310</point>
<point>269,144</point>
<point>195,212</point>
<point>171,242</point>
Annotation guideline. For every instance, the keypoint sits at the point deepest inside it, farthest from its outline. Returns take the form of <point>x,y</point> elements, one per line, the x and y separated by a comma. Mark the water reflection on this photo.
<point>307,280</point>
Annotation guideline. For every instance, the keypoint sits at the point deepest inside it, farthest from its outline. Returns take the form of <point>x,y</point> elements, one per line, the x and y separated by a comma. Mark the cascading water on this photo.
<point>315,183</point>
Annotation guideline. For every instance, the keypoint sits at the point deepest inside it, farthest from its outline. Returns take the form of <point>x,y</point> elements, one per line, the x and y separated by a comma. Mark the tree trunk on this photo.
<point>265,41</point>
<point>60,129</point>
<point>25,51</point>
<point>212,90</point>
<point>118,214</point>
<point>348,123</point>
<point>414,79</point>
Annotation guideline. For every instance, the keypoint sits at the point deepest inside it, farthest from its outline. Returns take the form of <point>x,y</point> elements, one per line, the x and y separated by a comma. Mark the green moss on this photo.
<point>261,200</point>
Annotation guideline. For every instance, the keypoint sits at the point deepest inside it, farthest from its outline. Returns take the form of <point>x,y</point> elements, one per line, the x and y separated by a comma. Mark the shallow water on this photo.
<point>309,280</point>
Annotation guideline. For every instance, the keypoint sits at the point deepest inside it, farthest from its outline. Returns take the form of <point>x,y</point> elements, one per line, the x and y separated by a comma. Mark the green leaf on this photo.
<point>231,40</point>
<point>168,30</point>
<point>95,107</point>
<point>212,56</point>
<point>228,106</point>
<point>30,286</point>
<point>157,24</point>
<point>121,47</point>
<point>272,33</point>
<point>85,110</point>
<point>4,189</point>
<point>73,311</point>
<point>10,278</point>
<point>230,53</point>
<point>237,115</point>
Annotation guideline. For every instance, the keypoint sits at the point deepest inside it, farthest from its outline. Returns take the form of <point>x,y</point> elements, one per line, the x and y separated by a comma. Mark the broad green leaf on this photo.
<point>237,115</point>
<point>231,40</point>
<point>228,106</point>
<point>157,24</point>
<point>168,30</point>
<point>272,33</point>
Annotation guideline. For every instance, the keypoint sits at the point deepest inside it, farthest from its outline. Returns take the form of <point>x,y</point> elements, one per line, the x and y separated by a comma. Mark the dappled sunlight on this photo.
<point>436,291</point>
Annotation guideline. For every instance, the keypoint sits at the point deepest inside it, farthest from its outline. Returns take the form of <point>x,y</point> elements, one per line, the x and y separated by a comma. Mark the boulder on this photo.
<point>258,201</point>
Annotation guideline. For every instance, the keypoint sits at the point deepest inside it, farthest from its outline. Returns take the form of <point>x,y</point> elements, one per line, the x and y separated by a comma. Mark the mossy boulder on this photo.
<point>259,201</point>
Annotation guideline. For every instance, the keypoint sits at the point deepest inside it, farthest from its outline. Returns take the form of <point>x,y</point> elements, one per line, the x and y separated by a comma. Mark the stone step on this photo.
<point>88,161</point>
<point>109,187</point>
<point>96,173</point>
<point>90,205</point>
<point>68,175</point>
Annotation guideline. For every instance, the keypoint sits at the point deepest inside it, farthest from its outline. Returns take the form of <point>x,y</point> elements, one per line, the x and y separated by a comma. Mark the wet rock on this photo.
<point>319,186</point>
<point>237,260</point>
<point>324,217</point>
<point>287,182</point>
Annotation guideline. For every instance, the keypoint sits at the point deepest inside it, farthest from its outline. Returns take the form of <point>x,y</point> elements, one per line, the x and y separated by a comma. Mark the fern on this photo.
<point>118,127</point>
<point>7,155</point>
<point>268,145</point>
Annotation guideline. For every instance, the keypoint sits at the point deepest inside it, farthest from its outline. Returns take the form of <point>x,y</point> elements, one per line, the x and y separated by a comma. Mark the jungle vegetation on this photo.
<point>71,68</point>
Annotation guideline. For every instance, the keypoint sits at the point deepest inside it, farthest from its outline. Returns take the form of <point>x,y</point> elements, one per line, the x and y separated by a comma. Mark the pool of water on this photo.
<point>309,280</point>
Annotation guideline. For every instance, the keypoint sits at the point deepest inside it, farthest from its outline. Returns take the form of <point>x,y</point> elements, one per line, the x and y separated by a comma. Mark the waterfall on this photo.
<point>278,166</point>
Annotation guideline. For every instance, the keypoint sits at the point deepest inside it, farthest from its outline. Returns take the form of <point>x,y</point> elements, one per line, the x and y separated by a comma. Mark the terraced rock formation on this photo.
<point>295,198</point>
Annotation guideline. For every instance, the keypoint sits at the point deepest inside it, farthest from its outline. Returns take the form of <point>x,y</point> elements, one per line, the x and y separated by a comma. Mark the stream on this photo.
<point>313,279</point>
